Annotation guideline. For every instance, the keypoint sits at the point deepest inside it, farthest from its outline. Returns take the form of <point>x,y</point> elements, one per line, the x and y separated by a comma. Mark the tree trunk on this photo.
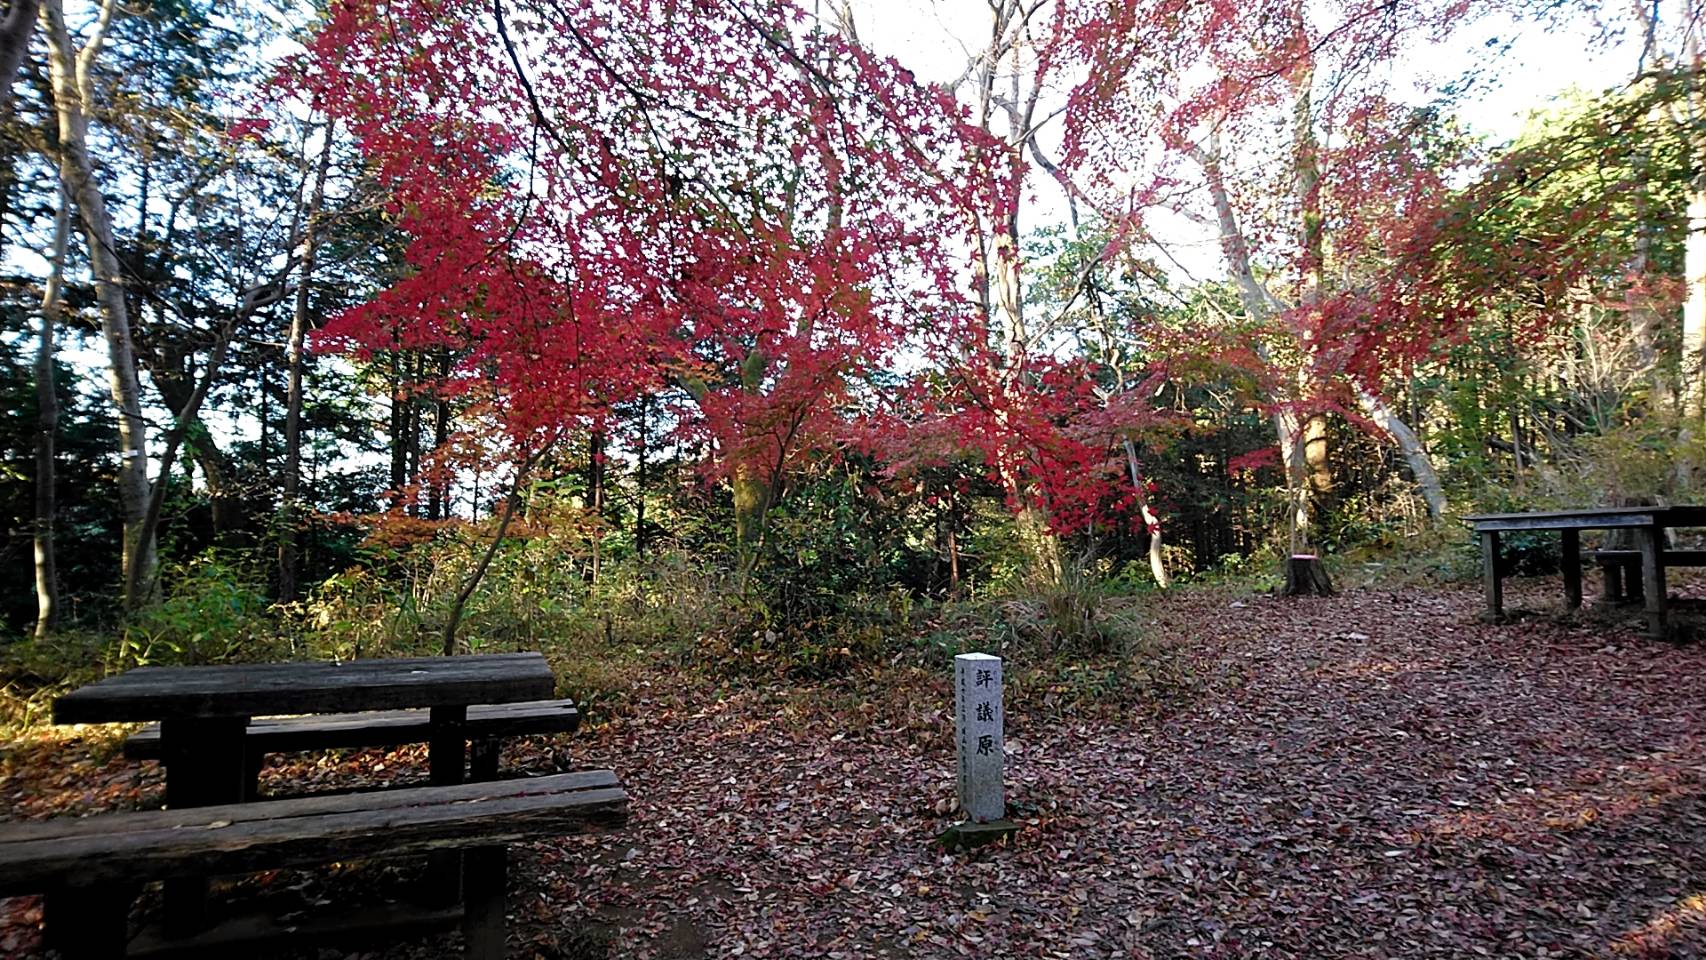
<point>1693,373</point>
<point>1157,561</point>
<point>290,509</point>
<point>1306,576</point>
<point>953,554</point>
<point>72,90</point>
<point>1288,430</point>
<point>640,483</point>
<point>176,381</point>
<point>595,499</point>
<point>47,425</point>
<point>1415,455</point>
<point>1316,460</point>
<point>15,31</point>
<point>460,605</point>
<point>139,582</point>
<point>1308,472</point>
<point>440,491</point>
<point>750,493</point>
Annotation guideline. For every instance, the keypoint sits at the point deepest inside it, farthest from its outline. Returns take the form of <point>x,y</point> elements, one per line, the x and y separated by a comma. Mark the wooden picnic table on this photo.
<point>1647,523</point>
<point>204,714</point>
<point>205,710</point>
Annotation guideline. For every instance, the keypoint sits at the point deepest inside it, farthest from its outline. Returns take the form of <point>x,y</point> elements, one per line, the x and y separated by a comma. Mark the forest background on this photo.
<point>429,325</point>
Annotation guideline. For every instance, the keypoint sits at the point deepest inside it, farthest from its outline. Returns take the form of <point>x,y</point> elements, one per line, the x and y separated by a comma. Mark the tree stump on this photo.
<point>1306,576</point>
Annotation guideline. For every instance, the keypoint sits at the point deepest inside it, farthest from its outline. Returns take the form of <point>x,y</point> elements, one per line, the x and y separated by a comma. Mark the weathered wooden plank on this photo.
<point>109,849</point>
<point>397,799</point>
<point>1589,521</point>
<point>153,693</point>
<point>1678,515</point>
<point>1688,515</point>
<point>381,728</point>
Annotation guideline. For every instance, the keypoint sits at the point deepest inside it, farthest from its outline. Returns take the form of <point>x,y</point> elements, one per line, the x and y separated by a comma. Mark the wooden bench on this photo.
<point>1622,570</point>
<point>486,727</point>
<point>91,868</point>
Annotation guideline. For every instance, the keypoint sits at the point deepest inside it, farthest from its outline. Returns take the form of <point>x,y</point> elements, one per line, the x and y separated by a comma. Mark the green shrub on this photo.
<point>215,610</point>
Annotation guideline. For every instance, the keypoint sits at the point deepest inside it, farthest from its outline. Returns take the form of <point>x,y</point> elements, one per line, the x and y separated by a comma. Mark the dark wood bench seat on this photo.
<point>1622,570</point>
<point>90,868</point>
<point>1672,558</point>
<point>486,726</point>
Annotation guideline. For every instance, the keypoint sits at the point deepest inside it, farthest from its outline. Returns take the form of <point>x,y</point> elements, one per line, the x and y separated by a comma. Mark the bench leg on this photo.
<point>1653,580</point>
<point>1612,591</point>
<point>1634,588</point>
<point>1490,580</point>
<point>88,922</point>
<point>1572,568</point>
<point>447,758</point>
<point>483,759</point>
<point>253,761</point>
<point>205,766</point>
<point>484,877</point>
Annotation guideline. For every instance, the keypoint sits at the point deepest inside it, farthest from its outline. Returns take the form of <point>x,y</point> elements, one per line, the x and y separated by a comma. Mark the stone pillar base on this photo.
<point>967,835</point>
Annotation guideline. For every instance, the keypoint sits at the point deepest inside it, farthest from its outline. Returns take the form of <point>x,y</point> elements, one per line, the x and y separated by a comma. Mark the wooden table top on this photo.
<point>268,689</point>
<point>1682,515</point>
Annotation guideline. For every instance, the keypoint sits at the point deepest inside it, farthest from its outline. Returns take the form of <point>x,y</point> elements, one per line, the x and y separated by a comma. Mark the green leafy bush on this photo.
<point>215,610</point>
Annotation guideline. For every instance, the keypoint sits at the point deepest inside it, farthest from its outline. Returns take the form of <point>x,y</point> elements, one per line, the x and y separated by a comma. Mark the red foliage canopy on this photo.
<point>608,198</point>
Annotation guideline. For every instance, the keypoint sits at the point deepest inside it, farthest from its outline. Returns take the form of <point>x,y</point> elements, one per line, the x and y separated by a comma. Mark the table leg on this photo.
<point>1650,540</point>
<point>483,756</point>
<point>205,766</point>
<point>1490,580</point>
<point>88,920</point>
<point>1572,568</point>
<point>483,928</point>
<point>204,760</point>
<point>447,750</point>
<point>447,760</point>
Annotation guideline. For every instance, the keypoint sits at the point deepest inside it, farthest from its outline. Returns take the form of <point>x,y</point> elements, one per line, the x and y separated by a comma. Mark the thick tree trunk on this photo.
<point>47,425</point>
<point>1415,455</point>
<point>1315,457</point>
<point>1693,392</point>
<point>750,493</point>
<point>1306,576</point>
<point>72,89</point>
<point>1260,305</point>
<point>1309,473</point>
<point>290,509</point>
<point>1288,430</point>
<point>1691,389</point>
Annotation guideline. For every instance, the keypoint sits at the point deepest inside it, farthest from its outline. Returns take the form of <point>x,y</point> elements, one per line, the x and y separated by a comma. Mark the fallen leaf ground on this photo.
<point>1373,775</point>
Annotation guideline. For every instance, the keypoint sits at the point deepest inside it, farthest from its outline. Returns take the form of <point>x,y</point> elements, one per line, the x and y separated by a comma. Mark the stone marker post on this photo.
<point>978,722</point>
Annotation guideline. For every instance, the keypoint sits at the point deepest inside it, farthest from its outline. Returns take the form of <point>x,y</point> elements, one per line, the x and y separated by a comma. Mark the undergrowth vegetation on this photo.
<point>837,598</point>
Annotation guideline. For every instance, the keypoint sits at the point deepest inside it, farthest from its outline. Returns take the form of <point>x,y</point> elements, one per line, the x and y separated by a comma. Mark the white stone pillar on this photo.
<point>978,720</point>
